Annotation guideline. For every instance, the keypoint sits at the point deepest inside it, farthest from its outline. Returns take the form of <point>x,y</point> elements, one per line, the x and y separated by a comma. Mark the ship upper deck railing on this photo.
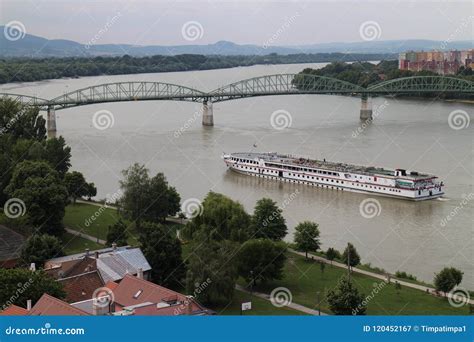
<point>301,161</point>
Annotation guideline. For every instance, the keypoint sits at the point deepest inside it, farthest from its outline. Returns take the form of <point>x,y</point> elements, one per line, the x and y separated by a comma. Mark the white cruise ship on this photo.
<point>397,183</point>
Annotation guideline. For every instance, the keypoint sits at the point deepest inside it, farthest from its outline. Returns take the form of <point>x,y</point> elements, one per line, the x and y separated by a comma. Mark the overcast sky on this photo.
<point>256,22</point>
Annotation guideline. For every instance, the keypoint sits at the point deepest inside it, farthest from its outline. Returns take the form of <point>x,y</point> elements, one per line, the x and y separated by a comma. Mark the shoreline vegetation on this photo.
<point>14,70</point>
<point>367,74</point>
<point>73,220</point>
<point>43,201</point>
<point>76,214</point>
<point>421,302</point>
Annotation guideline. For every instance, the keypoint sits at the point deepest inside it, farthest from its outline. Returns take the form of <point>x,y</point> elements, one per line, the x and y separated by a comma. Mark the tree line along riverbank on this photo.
<point>366,74</point>
<point>37,69</point>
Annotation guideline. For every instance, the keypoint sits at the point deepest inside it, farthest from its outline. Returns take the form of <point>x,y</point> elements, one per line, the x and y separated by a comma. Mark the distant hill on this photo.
<point>34,46</point>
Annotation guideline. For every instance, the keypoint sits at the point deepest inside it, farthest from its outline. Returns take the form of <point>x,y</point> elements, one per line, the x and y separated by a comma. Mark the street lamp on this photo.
<point>251,282</point>
<point>319,302</point>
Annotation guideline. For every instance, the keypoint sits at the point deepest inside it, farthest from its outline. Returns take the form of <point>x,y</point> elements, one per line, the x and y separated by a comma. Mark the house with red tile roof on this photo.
<point>136,296</point>
<point>14,310</point>
<point>50,306</point>
<point>112,263</point>
<point>81,286</point>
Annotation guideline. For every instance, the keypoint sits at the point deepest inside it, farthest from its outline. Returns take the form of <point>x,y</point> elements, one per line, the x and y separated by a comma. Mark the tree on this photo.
<point>20,284</point>
<point>76,185</point>
<point>398,287</point>
<point>447,279</point>
<point>135,197</point>
<point>39,248</point>
<point>19,125</point>
<point>57,154</point>
<point>117,234</point>
<point>21,121</point>
<point>146,199</point>
<point>44,195</point>
<point>162,249</point>
<point>212,264</point>
<point>350,256</point>
<point>268,221</point>
<point>332,254</point>
<point>261,260</point>
<point>322,266</point>
<point>164,199</point>
<point>219,218</point>
<point>345,299</point>
<point>91,191</point>
<point>307,237</point>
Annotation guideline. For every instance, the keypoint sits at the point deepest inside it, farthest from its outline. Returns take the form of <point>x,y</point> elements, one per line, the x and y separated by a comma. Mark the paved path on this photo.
<point>85,236</point>
<point>375,275</point>
<point>316,257</point>
<point>294,306</point>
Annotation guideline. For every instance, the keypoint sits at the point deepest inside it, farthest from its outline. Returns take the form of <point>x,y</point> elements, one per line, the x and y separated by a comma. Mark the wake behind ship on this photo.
<point>397,183</point>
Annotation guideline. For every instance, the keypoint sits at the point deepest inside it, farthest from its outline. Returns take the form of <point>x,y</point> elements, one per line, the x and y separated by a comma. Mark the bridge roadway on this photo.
<point>269,85</point>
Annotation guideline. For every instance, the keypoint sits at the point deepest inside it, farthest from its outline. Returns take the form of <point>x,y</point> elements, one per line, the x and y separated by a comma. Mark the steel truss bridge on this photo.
<point>279,84</point>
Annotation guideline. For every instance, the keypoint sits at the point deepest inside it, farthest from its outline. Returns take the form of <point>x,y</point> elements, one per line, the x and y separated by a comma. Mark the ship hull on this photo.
<point>332,183</point>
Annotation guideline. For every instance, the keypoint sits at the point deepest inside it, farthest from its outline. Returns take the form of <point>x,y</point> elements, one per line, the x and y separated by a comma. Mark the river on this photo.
<point>416,237</point>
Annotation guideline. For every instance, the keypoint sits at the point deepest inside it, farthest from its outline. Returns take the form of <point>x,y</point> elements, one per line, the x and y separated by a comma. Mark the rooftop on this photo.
<point>10,244</point>
<point>81,287</point>
<point>147,298</point>
<point>112,264</point>
<point>51,306</point>
<point>14,310</point>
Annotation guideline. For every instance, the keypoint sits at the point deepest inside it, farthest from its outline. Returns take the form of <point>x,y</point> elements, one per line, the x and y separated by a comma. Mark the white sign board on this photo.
<point>246,306</point>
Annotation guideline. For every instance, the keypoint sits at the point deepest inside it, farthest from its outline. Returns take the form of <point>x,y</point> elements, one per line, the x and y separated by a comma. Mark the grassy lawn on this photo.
<point>259,307</point>
<point>304,279</point>
<point>75,244</point>
<point>78,217</point>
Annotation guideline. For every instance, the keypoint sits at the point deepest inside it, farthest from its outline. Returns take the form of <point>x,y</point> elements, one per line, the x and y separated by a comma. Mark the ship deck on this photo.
<point>327,165</point>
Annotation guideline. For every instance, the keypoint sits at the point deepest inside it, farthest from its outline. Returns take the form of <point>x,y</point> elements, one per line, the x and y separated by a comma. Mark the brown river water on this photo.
<point>416,237</point>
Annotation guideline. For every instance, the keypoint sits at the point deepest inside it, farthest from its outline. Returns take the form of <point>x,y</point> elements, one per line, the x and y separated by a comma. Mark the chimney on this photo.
<point>95,307</point>
<point>87,252</point>
<point>96,254</point>
<point>114,246</point>
<point>33,267</point>
<point>140,273</point>
<point>28,304</point>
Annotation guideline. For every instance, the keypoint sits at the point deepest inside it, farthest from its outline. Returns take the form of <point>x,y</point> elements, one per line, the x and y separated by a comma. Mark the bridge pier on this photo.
<point>51,122</point>
<point>365,108</point>
<point>207,113</point>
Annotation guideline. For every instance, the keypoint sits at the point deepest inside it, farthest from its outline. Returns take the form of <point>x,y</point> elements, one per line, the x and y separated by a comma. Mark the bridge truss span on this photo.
<point>423,84</point>
<point>127,91</point>
<point>283,84</point>
<point>26,100</point>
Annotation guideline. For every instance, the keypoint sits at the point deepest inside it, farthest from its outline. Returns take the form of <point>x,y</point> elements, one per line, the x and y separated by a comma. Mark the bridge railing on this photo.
<point>127,91</point>
<point>278,84</point>
<point>25,99</point>
<point>423,84</point>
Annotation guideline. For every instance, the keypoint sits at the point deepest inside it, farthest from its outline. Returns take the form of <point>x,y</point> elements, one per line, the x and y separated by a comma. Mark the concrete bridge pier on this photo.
<point>207,113</point>
<point>365,108</point>
<point>51,122</point>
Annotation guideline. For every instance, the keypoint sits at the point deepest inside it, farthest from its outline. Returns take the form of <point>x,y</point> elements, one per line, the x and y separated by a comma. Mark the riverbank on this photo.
<point>304,277</point>
<point>322,126</point>
<point>33,69</point>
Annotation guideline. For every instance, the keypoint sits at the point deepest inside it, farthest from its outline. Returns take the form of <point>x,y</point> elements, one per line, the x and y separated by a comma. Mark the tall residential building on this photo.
<point>441,62</point>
